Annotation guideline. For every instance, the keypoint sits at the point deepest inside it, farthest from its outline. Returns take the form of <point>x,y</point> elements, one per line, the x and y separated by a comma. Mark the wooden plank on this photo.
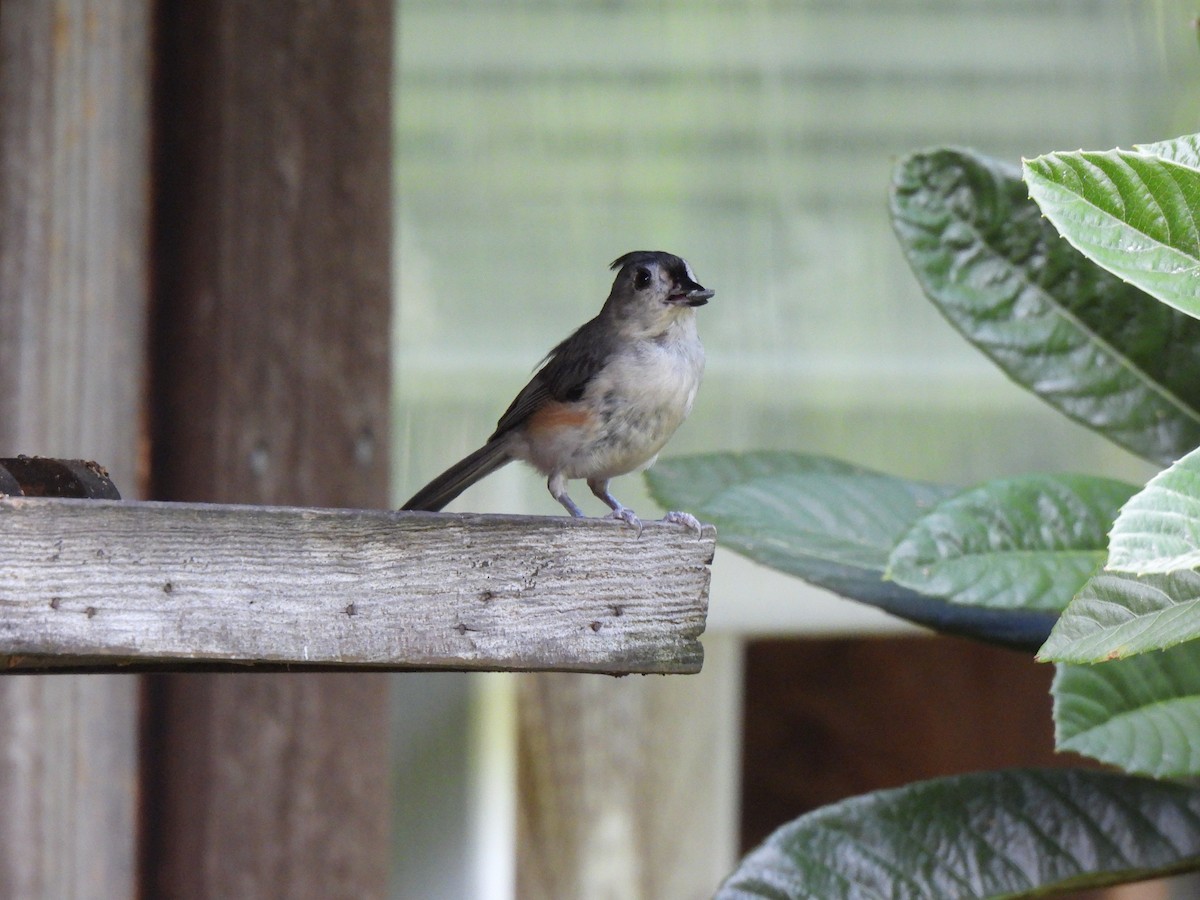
<point>167,581</point>
<point>70,754</point>
<point>74,86</point>
<point>628,787</point>
<point>74,183</point>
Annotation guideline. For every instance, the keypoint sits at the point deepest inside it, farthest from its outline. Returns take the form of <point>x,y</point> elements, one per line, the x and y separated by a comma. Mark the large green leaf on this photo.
<point>1183,150</point>
<point>1097,349</point>
<point>1019,833</point>
<point>1141,714</point>
<point>1028,542</point>
<point>1117,615</point>
<point>832,524</point>
<point>1158,530</point>
<point>1136,213</point>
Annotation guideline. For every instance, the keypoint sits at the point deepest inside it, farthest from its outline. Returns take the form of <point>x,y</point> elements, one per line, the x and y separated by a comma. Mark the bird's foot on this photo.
<point>687,520</point>
<point>629,517</point>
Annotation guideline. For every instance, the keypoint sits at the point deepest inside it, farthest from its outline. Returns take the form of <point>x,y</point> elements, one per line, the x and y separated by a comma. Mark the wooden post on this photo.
<point>627,787</point>
<point>73,271</point>
<point>273,258</point>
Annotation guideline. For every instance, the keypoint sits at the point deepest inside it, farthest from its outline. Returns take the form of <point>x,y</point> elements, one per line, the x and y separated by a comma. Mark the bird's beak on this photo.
<point>697,296</point>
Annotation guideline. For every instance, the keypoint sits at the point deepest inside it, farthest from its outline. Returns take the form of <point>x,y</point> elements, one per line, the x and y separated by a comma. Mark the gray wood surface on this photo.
<point>161,581</point>
<point>74,200</point>
<point>74,186</point>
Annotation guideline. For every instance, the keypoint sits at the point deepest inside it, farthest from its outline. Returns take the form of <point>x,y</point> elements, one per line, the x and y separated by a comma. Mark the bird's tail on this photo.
<point>460,476</point>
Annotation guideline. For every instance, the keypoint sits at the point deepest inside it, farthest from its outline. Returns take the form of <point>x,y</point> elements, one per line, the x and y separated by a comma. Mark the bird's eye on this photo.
<point>641,279</point>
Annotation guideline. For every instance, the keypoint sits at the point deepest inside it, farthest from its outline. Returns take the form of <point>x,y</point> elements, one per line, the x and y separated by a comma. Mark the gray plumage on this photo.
<point>605,399</point>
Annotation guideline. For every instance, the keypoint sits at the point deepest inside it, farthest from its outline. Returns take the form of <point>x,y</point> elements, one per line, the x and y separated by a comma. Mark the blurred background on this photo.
<point>538,140</point>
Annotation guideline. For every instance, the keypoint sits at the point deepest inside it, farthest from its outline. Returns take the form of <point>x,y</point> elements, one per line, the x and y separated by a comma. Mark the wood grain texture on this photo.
<point>164,581</point>
<point>274,235</point>
<point>271,385</point>
<point>69,784</point>
<point>74,198</point>
<point>74,88</point>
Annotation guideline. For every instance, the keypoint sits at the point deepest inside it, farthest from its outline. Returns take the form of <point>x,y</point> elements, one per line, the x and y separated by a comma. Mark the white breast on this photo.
<point>644,394</point>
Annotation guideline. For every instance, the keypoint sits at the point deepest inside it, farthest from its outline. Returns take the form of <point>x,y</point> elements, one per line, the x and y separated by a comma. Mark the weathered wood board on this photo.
<point>90,584</point>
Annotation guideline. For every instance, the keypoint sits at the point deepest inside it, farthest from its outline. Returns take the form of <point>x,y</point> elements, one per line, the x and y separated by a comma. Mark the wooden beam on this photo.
<point>89,580</point>
<point>74,147</point>
<point>74,183</point>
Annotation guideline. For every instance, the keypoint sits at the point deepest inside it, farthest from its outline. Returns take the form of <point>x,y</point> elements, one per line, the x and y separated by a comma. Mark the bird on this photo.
<point>605,400</point>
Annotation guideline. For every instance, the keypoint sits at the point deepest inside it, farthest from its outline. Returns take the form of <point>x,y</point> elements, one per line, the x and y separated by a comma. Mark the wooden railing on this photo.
<point>110,585</point>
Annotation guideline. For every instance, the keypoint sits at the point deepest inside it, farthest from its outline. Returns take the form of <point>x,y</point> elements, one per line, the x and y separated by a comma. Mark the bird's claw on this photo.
<point>629,517</point>
<point>687,520</point>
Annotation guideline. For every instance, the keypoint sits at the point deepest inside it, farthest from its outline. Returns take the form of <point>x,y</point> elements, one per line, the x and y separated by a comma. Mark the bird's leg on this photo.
<point>557,484</point>
<point>599,487</point>
<point>687,520</point>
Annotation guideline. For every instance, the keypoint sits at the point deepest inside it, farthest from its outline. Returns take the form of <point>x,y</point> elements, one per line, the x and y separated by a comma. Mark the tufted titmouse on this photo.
<point>607,398</point>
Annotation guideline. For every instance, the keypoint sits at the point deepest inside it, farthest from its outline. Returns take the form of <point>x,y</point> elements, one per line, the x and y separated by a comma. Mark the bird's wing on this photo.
<point>568,369</point>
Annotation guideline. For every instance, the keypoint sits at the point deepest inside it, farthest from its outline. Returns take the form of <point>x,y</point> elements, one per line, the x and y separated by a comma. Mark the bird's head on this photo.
<point>653,289</point>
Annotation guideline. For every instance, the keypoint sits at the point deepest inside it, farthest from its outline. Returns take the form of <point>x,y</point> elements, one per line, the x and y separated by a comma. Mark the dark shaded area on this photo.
<point>271,242</point>
<point>829,719</point>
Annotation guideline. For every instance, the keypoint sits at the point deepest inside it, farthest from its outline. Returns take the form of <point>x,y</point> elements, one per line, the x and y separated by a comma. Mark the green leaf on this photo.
<point>820,518</point>
<point>831,523</point>
<point>1097,349</point>
<point>1135,213</point>
<point>1141,714</point>
<point>1013,834</point>
<point>1183,150</point>
<point>1117,615</point>
<point>1028,542</point>
<point>1158,530</point>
